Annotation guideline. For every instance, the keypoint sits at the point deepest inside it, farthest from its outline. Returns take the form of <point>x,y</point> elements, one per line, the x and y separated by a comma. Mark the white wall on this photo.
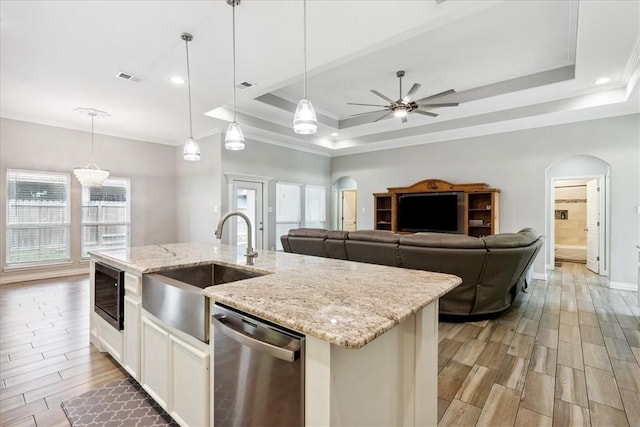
<point>279,163</point>
<point>198,195</point>
<point>150,167</point>
<point>515,162</point>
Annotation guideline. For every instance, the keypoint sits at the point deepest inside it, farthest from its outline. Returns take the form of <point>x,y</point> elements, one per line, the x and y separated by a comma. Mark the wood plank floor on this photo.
<point>566,354</point>
<point>45,355</point>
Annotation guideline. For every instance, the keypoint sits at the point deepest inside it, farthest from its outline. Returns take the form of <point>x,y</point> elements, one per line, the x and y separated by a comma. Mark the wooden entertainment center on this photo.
<point>481,205</point>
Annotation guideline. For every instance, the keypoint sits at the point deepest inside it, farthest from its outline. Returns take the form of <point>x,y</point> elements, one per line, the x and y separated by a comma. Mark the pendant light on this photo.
<point>234,138</point>
<point>304,121</point>
<point>191,149</point>
<point>91,175</point>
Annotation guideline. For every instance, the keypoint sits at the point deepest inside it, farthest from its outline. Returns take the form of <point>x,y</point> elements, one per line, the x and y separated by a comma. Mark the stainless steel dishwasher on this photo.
<point>258,371</point>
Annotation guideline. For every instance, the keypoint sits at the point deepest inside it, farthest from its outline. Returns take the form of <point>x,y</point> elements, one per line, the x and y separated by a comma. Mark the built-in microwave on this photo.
<point>109,294</point>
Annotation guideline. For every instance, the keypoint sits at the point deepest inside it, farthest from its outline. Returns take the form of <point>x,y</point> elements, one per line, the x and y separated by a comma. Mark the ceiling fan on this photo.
<point>404,105</point>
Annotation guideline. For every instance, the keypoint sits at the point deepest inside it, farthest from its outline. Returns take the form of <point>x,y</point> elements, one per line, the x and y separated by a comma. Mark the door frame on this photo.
<point>604,201</point>
<point>232,178</point>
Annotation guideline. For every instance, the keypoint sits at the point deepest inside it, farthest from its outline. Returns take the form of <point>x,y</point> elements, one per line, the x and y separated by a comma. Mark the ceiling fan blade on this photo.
<point>386,98</point>
<point>404,119</point>
<point>367,105</point>
<point>412,91</point>
<point>383,117</point>
<point>425,113</point>
<point>446,104</point>
<point>437,95</point>
<point>368,112</point>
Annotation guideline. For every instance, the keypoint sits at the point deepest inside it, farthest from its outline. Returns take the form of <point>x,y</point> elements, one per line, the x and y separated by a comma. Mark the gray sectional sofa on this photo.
<point>493,268</point>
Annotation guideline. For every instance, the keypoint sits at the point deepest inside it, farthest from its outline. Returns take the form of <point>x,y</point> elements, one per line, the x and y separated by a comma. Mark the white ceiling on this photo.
<point>514,64</point>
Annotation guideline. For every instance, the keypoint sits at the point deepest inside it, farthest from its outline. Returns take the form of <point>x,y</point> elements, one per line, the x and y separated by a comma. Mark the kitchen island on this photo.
<point>371,331</point>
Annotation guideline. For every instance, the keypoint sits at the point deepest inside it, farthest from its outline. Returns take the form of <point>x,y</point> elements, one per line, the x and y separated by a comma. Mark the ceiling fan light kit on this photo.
<point>191,149</point>
<point>405,104</point>
<point>234,138</point>
<point>304,120</point>
<point>91,175</point>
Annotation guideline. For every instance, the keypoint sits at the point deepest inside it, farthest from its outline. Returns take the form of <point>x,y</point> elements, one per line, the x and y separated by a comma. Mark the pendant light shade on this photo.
<point>91,175</point>
<point>234,138</point>
<point>304,120</point>
<point>191,149</point>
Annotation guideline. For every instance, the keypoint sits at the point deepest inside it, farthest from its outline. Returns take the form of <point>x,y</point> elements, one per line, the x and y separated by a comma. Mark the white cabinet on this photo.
<point>109,338</point>
<point>175,371</point>
<point>189,383</point>
<point>155,361</point>
<point>132,311</point>
<point>132,336</point>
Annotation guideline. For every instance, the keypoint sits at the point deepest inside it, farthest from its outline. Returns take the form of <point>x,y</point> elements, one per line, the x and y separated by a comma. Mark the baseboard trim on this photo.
<point>50,274</point>
<point>623,286</point>
<point>540,276</point>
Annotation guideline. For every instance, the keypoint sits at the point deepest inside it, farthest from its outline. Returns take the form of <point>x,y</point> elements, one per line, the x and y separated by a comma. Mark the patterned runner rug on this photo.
<point>120,403</point>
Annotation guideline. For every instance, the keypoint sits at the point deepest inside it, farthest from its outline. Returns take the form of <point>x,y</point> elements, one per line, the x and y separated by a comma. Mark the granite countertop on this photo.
<point>345,303</point>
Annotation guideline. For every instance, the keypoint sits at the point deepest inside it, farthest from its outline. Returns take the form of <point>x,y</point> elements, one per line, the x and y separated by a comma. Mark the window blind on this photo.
<point>287,209</point>
<point>106,216</point>
<point>38,217</point>
<point>315,206</point>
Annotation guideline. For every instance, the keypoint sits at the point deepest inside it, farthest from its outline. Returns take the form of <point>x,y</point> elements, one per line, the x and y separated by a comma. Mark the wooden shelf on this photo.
<point>480,204</point>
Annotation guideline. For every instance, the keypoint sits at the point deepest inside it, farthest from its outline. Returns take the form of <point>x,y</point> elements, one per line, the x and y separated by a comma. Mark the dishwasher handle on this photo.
<point>285,354</point>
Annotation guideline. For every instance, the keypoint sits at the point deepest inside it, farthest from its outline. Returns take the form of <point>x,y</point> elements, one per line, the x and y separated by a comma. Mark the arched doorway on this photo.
<point>563,179</point>
<point>345,192</point>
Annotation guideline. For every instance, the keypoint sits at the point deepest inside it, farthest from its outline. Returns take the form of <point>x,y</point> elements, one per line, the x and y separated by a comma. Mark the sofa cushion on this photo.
<point>307,241</point>
<point>466,263</point>
<point>442,240</point>
<point>382,236</point>
<point>338,235</point>
<point>372,252</point>
<point>334,244</point>
<point>524,237</point>
<point>308,232</point>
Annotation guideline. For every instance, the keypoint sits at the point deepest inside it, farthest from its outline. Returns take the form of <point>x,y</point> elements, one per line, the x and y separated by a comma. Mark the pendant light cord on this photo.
<point>186,41</point>
<point>304,31</point>
<point>92,117</point>
<point>233,6</point>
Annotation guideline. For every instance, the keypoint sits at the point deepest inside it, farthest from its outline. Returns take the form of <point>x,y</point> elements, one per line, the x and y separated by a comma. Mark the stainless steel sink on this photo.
<point>175,296</point>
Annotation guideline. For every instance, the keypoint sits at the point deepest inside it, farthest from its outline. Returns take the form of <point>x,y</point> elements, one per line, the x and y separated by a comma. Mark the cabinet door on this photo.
<point>132,336</point>
<point>155,361</point>
<point>190,383</point>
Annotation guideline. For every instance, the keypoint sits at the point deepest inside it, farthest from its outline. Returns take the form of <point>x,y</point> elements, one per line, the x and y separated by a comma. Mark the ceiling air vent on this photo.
<point>244,85</point>
<point>129,77</point>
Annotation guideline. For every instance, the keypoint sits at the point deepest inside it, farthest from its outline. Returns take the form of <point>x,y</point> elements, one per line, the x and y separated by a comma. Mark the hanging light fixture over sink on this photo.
<point>234,138</point>
<point>304,120</point>
<point>91,175</point>
<point>191,149</point>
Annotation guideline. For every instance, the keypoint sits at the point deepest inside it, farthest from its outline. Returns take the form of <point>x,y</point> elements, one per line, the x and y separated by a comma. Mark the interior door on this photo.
<point>247,198</point>
<point>349,218</point>
<point>593,226</point>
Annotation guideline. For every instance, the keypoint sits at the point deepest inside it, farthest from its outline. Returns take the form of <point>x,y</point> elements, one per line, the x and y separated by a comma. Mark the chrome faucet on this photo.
<point>251,254</point>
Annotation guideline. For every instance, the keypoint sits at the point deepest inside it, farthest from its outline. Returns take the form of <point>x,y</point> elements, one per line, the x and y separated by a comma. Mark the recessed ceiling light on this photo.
<point>603,80</point>
<point>334,134</point>
<point>177,80</point>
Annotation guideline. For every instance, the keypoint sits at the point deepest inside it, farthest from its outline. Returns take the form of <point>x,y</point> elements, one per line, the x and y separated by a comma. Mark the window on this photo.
<point>287,209</point>
<point>314,206</point>
<point>105,216</point>
<point>38,217</point>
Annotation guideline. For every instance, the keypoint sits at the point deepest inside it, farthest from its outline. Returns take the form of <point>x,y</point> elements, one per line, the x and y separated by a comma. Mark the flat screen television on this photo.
<point>437,212</point>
